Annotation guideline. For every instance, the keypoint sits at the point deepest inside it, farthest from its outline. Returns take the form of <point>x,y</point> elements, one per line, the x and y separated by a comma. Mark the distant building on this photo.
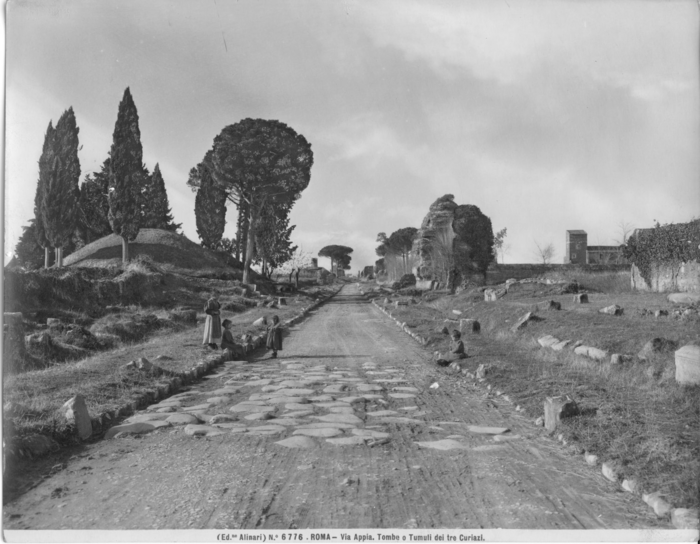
<point>579,252</point>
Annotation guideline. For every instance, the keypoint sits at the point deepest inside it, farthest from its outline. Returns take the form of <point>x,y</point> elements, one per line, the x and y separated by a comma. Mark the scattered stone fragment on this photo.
<point>523,321</point>
<point>631,486</point>
<point>591,352</point>
<point>236,430</point>
<point>557,408</point>
<point>547,341</point>
<point>685,518</point>
<point>444,445</point>
<point>655,346</point>
<point>610,472</point>
<point>301,442</point>
<point>75,411</point>
<point>612,310</point>
<point>591,459</point>
<point>560,345</point>
<point>409,408</point>
<point>539,422</point>
<point>482,371</point>
<point>319,433</point>
<point>657,503</point>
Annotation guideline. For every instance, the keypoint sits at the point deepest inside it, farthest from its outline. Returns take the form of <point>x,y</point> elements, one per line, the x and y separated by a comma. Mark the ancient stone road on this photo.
<point>343,431</point>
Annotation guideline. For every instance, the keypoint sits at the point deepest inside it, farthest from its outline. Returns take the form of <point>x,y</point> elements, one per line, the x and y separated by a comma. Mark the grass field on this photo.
<point>634,415</point>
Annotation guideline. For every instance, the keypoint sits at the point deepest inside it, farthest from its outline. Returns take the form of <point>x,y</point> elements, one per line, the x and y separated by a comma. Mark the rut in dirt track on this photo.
<point>354,391</point>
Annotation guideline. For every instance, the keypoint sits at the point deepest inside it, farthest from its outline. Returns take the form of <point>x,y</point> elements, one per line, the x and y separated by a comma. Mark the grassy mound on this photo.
<point>161,246</point>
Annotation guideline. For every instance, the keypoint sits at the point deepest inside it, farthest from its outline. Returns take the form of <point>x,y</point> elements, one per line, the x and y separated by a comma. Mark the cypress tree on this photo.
<point>156,213</point>
<point>94,205</point>
<point>209,207</point>
<point>45,163</point>
<point>126,174</point>
<point>60,199</point>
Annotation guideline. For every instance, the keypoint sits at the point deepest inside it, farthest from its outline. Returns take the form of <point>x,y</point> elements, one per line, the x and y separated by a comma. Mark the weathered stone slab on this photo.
<point>487,430</point>
<point>298,413</point>
<point>341,410</point>
<point>547,341</point>
<point>228,425</point>
<point>367,433</point>
<point>348,441</point>
<point>134,428</point>
<point>297,406</point>
<point>289,392</point>
<point>339,418</point>
<point>406,420</point>
<point>258,416</point>
<point>138,418</point>
<point>254,383</point>
<point>222,418</point>
<point>367,387</point>
<point>351,400</point>
<point>614,309</point>
<point>267,430</point>
<point>251,408</point>
<point>559,346</point>
<point>202,430</point>
<point>402,395</point>
<point>523,321</point>
<point>218,400</point>
<point>688,365</point>
<point>321,398</point>
<point>286,421</point>
<point>381,413</point>
<point>76,412</point>
<point>326,426</point>
<point>335,388</point>
<point>225,391</point>
<point>297,442</point>
<point>272,388</point>
<point>182,419</point>
<point>443,445</point>
<point>683,298</point>
<point>288,400</point>
<point>407,389</point>
<point>591,353</point>
<point>319,433</point>
<point>371,396</point>
<point>197,407</point>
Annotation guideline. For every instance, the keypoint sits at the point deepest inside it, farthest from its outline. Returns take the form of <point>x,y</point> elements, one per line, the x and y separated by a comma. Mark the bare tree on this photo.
<point>545,253</point>
<point>625,230</point>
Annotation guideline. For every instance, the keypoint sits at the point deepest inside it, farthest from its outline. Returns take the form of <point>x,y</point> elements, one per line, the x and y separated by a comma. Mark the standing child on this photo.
<point>212,326</point>
<point>274,336</point>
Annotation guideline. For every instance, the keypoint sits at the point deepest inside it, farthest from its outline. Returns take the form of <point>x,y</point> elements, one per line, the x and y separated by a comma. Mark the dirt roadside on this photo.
<point>243,479</point>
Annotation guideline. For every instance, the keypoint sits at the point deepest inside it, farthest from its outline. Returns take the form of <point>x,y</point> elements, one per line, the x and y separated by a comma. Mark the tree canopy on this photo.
<point>339,256</point>
<point>155,209</point>
<point>259,163</point>
<point>400,242</point>
<point>126,174</point>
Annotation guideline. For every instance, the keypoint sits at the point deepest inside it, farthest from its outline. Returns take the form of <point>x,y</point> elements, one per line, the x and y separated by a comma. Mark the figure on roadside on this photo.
<point>274,336</point>
<point>296,279</point>
<point>227,342</point>
<point>212,326</point>
<point>456,352</point>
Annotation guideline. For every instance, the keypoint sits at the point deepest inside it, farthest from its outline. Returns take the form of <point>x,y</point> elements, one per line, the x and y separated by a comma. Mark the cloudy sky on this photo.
<point>548,115</point>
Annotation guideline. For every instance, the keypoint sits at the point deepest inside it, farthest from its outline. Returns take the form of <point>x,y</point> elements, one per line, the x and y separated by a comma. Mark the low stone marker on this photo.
<point>656,346</point>
<point>523,321</point>
<point>581,298</point>
<point>612,310</point>
<point>556,409</point>
<point>591,352</point>
<point>688,365</point>
<point>76,412</point>
<point>282,301</point>
<point>469,325</point>
<point>617,359</point>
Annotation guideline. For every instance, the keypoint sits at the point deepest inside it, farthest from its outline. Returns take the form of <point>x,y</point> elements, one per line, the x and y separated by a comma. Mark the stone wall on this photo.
<point>684,277</point>
<point>499,273</point>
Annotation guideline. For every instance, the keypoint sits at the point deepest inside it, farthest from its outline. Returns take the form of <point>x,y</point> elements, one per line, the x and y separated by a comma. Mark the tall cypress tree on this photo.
<point>60,199</point>
<point>45,164</point>
<point>126,174</point>
<point>95,206</point>
<point>209,206</point>
<point>155,212</point>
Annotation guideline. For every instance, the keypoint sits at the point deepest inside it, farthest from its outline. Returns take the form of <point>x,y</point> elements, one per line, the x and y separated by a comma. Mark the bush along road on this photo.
<point>352,427</point>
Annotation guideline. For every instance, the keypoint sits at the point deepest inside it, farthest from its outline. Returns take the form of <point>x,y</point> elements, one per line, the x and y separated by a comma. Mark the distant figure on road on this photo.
<point>274,336</point>
<point>456,350</point>
<point>227,342</point>
<point>212,327</point>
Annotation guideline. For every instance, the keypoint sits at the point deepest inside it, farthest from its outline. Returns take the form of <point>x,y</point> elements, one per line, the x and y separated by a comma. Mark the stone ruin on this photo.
<point>460,230</point>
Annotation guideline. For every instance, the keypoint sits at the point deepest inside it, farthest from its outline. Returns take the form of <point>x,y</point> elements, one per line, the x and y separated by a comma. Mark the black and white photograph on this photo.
<point>351,270</point>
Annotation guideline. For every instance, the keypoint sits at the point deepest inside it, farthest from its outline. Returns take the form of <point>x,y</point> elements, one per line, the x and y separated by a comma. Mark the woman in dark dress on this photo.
<point>227,342</point>
<point>274,336</point>
<point>212,327</point>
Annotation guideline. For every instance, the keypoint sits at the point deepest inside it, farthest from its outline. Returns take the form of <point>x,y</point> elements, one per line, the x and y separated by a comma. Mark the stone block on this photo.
<point>656,346</point>
<point>260,322</point>
<point>483,370</point>
<point>556,409</point>
<point>469,325</point>
<point>559,346</point>
<point>581,298</point>
<point>657,503</point>
<point>631,486</point>
<point>282,301</point>
<point>547,341</point>
<point>688,365</point>
<point>523,321</point>
<point>683,298</point>
<point>591,353</point>
<point>610,472</point>
<point>549,305</point>
<point>612,310</point>
<point>591,459</point>
<point>618,359</point>
<point>685,518</point>
<point>76,412</point>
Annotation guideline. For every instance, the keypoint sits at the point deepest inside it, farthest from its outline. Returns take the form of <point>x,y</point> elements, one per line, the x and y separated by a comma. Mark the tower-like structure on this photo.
<point>576,244</point>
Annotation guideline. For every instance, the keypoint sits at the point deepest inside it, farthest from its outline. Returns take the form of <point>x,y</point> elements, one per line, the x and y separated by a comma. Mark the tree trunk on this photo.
<point>250,247</point>
<point>47,257</point>
<point>244,231</point>
<point>59,257</point>
<point>125,250</point>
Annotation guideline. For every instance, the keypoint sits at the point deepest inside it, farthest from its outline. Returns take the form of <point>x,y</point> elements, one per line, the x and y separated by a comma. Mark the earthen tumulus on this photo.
<point>463,230</point>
